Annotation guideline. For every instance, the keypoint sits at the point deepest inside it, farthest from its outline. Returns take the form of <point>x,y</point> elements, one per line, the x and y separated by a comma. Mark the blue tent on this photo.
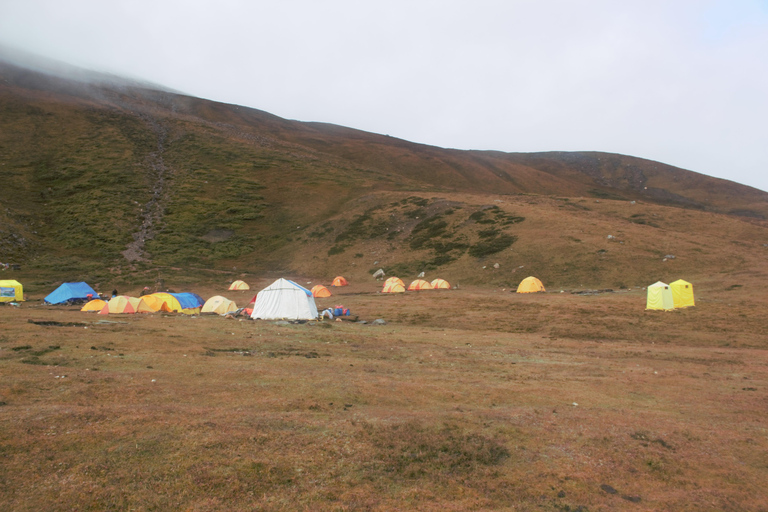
<point>189,300</point>
<point>71,291</point>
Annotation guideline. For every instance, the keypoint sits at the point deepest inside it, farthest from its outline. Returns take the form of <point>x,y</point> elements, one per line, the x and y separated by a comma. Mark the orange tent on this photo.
<point>393,287</point>
<point>395,280</point>
<point>419,284</point>
<point>339,281</point>
<point>441,284</point>
<point>320,291</point>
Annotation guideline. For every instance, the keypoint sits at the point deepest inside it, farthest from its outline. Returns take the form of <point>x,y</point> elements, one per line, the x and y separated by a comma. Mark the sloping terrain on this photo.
<point>104,175</point>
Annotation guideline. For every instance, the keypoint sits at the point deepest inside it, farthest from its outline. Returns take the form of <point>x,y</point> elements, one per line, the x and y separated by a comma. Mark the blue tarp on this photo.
<point>71,291</point>
<point>189,300</point>
<point>309,293</point>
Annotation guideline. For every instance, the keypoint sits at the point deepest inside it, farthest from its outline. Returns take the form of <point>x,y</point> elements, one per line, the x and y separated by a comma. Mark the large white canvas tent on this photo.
<point>284,299</point>
<point>659,297</point>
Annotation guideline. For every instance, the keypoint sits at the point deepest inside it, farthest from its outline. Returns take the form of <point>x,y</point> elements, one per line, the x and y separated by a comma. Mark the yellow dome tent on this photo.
<point>94,305</point>
<point>419,285</point>
<point>155,303</point>
<point>320,291</point>
<point>395,280</point>
<point>530,285</point>
<point>125,305</point>
<point>238,285</point>
<point>171,304</point>
<point>219,305</point>
<point>682,294</point>
<point>441,284</point>
<point>393,287</point>
<point>11,291</point>
<point>659,297</point>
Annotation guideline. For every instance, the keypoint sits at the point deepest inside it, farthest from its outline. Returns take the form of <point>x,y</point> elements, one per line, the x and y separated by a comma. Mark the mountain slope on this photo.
<point>102,174</point>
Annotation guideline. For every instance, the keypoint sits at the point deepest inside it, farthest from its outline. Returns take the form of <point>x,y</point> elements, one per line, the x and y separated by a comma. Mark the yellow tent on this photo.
<point>155,303</point>
<point>218,304</point>
<point>441,284</point>
<point>239,285</point>
<point>393,287</point>
<point>94,305</point>
<point>419,285</point>
<point>120,304</point>
<point>11,291</point>
<point>172,304</point>
<point>659,297</point>
<point>530,285</point>
<point>395,280</point>
<point>682,294</point>
<point>320,291</point>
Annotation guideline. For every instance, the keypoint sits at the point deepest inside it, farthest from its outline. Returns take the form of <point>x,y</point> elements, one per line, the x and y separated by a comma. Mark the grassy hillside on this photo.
<point>105,179</point>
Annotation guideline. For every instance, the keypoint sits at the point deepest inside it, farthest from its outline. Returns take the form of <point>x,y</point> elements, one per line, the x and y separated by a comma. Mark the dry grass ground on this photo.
<point>473,399</point>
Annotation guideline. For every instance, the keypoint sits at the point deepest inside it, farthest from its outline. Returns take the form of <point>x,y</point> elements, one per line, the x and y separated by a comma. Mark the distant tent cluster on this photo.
<point>187,303</point>
<point>665,297</point>
<point>396,285</point>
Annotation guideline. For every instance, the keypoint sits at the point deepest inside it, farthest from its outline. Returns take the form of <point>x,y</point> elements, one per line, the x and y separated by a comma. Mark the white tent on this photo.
<point>284,299</point>
<point>659,297</point>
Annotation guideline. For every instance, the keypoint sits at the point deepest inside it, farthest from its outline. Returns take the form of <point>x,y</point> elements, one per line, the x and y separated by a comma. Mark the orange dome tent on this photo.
<point>393,287</point>
<point>339,281</point>
<point>320,291</point>
<point>530,285</point>
<point>239,285</point>
<point>418,285</point>
<point>441,284</point>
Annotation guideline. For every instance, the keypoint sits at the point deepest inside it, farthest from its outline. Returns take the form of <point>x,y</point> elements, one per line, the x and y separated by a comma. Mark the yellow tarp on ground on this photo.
<point>441,284</point>
<point>11,291</point>
<point>682,294</point>
<point>94,305</point>
<point>659,297</point>
<point>220,305</point>
<point>239,285</point>
<point>530,285</point>
<point>320,291</point>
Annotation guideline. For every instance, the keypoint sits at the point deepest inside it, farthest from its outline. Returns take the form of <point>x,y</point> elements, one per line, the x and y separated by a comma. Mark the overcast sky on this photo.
<point>684,82</point>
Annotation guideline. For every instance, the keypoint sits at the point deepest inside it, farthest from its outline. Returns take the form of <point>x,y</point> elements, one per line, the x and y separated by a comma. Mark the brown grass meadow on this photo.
<point>472,399</point>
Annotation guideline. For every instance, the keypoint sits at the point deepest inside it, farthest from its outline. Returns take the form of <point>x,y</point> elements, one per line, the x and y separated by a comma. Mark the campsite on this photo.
<point>466,399</point>
<point>555,331</point>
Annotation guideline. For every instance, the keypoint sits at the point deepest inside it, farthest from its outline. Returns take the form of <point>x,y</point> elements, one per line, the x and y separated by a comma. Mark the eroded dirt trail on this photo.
<point>152,212</point>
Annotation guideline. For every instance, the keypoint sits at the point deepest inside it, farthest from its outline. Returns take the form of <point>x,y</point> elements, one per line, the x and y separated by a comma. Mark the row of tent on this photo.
<point>337,281</point>
<point>396,285</point>
<point>665,297</point>
<point>187,303</point>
